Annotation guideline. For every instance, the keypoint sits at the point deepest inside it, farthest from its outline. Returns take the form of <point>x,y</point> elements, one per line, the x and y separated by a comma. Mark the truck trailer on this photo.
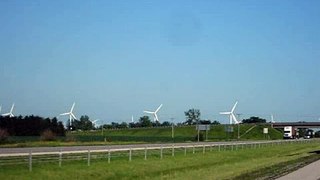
<point>290,133</point>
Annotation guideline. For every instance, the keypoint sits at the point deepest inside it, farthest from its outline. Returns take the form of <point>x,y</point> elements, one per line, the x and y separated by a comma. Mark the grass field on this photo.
<point>183,133</point>
<point>148,135</point>
<point>225,164</point>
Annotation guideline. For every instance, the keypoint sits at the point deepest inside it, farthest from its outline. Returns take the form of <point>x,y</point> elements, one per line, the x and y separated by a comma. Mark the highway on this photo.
<point>309,172</point>
<point>4,152</point>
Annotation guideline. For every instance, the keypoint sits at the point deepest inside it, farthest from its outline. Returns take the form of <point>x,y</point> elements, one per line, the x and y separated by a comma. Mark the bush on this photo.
<point>48,135</point>
<point>3,135</point>
<point>70,138</point>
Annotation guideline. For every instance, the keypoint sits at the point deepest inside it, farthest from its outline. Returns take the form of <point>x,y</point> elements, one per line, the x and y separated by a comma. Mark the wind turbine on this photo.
<point>232,117</point>
<point>132,119</point>
<point>272,119</point>
<point>0,108</point>
<point>95,122</point>
<point>10,114</point>
<point>155,116</point>
<point>71,115</point>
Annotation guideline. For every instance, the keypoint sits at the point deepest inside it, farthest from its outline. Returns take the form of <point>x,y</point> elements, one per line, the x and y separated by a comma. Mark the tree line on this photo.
<point>31,125</point>
<point>35,125</point>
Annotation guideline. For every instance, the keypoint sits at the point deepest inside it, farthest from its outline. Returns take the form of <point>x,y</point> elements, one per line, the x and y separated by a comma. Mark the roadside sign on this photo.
<point>265,130</point>
<point>203,127</point>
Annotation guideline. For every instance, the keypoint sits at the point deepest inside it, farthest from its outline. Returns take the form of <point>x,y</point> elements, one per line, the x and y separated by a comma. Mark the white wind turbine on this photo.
<point>132,119</point>
<point>95,122</point>
<point>272,119</point>
<point>0,108</point>
<point>231,114</point>
<point>10,114</point>
<point>71,115</point>
<point>155,116</point>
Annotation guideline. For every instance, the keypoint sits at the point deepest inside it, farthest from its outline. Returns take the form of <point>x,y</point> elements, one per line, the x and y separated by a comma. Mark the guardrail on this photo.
<point>160,151</point>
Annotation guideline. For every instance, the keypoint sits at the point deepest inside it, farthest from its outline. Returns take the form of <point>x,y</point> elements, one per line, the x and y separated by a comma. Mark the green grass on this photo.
<point>146,135</point>
<point>225,164</point>
<point>184,133</point>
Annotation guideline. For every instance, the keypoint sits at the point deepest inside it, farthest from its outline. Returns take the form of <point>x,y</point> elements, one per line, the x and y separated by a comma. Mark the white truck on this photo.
<point>289,132</point>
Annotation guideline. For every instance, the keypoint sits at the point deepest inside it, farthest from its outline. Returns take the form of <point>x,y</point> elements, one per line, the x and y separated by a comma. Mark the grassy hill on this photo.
<point>181,134</point>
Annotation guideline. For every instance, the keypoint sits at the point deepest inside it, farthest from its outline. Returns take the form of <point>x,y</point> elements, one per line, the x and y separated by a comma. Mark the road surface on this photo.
<point>309,172</point>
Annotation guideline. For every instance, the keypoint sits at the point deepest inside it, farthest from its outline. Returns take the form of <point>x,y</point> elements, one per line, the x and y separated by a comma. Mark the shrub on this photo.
<point>48,135</point>
<point>70,138</point>
<point>3,135</point>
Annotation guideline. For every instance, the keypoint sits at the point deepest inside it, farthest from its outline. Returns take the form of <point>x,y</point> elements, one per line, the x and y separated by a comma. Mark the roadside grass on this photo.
<point>224,164</point>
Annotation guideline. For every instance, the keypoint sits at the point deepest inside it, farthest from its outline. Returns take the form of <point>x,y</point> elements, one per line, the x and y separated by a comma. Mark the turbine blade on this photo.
<point>225,113</point>
<point>72,107</point>
<point>156,117</point>
<point>63,114</point>
<point>234,118</point>
<point>158,108</point>
<point>74,117</point>
<point>12,108</point>
<point>234,106</point>
<point>6,114</point>
<point>149,112</point>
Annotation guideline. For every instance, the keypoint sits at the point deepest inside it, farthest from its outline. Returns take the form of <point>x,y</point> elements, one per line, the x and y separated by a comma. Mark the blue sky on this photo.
<point>118,58</point>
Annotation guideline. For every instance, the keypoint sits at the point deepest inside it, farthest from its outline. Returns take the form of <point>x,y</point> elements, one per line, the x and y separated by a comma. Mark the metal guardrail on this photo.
<point>109,154</point>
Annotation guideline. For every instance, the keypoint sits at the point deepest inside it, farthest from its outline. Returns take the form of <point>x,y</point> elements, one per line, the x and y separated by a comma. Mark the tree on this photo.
<point>31,125</point>
<point>83,124</point>
<point>145,121</point>
<point>205,122</point>
<point>254,119</point>
<point>192,116</point>
<point>215,122</point>
<point>166,123</point>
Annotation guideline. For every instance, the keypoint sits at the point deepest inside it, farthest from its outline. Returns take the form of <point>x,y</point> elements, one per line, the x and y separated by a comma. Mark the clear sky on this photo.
<point>118,58</point>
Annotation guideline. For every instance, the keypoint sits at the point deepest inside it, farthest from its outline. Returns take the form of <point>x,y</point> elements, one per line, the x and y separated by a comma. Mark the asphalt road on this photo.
<point>309,172</point>
<point>78,149</point>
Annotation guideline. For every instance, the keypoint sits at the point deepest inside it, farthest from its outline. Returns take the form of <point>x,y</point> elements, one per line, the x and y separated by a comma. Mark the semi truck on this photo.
<point>290,133</point>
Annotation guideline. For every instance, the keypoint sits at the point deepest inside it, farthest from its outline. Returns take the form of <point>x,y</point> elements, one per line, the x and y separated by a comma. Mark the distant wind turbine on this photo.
<point>154,113</point>
<point>71,115</point>
<point>132,119</point>
<point>10,114</point>
<point>232,117</point>
<point>272,119</point>
<point>95,122</point>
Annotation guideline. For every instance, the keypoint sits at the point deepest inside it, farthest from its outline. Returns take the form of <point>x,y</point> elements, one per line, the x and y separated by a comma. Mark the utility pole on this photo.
<point>172,128</point>
<point>239,125</point>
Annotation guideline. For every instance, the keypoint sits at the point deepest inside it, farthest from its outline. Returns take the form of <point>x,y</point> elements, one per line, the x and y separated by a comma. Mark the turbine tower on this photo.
<point>154,113</point>
<point>71,115</point>
<point>10,114</point>
<point>232,117</point>
<point>0,108</point>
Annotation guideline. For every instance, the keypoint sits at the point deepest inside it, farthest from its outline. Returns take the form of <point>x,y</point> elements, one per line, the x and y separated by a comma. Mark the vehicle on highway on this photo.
<point>290,132</point>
